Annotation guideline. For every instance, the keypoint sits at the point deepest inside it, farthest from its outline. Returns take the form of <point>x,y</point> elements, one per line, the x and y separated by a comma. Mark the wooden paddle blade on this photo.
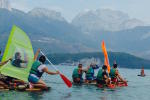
<point>66,80</point>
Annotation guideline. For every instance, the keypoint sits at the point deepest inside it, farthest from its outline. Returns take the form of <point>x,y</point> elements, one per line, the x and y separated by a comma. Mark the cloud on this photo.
<point>56,8</point>
<point>21,5</point>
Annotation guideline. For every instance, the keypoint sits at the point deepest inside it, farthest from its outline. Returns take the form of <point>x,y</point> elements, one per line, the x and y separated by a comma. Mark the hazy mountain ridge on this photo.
<point>43,12</point>
<point>34,26</point>
<point>105,19</point>
<point>58,35</point>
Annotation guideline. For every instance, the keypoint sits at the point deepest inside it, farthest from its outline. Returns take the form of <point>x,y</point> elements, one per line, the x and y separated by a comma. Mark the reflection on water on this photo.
<point>36,95</point>
<point>137,89</point>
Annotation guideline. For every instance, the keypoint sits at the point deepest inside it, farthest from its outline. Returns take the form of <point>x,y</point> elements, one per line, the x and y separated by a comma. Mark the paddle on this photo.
<point>106,60</point>
<point>63,77</point>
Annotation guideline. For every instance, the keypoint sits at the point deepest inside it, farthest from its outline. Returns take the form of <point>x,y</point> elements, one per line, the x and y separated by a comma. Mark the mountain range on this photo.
<point>50,31</point>
<point>105,19</point>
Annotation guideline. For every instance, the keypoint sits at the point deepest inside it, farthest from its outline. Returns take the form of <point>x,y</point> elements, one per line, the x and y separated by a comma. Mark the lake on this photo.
<point>138,89</point>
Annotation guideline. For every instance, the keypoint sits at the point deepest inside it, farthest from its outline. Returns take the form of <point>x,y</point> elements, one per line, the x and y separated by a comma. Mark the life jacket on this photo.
<point>112,73</point>
<point>90,72</point>
<point>99,75</point>
<point>16,62</point>
<point>34,69</point>
<point>76,73</point>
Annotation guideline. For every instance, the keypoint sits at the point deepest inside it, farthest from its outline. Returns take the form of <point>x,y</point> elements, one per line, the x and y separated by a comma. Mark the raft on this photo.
<point>23,88</point>
<point>112,86</point>
<point>18,41</point>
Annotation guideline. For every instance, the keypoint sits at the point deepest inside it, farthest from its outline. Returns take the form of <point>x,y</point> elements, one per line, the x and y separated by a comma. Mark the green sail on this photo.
<point>18,42</point>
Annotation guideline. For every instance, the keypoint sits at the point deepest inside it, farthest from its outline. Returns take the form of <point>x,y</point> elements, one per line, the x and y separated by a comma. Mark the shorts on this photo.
<point>91,78</point>
<point>33,78</point>
<point>78,80</point>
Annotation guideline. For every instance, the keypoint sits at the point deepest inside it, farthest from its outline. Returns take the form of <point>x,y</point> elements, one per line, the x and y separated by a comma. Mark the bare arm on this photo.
<point>23,61</point>
<point>3,63</point>
<point>105,76</point>
<point>36,54</point>
<point>120,78</point>
<point>49,72</point>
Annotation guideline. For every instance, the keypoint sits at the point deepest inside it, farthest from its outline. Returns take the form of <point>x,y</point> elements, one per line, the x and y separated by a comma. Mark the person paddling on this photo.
<point>102,76</point>
<point>90,73</point>
<point>115,76</point>
<point>37,70</point>
<point>77,74</point>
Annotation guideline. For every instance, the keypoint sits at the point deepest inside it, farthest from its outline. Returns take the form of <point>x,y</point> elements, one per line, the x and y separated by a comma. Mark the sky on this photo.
<point>70,8</point>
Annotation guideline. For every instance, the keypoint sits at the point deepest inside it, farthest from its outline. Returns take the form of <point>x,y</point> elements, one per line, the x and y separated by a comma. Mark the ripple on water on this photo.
<point>138,89</point>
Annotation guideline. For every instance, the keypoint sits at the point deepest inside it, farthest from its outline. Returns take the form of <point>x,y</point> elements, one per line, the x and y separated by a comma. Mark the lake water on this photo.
<point>138,89</point>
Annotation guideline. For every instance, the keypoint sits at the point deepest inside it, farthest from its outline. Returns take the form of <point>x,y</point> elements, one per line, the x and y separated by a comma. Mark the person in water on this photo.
<point>77,74</point>
<point>102,76</point>
<point>142,71</point>
<point>114,75</point>
<point>37,70</point>
<point>17,61</point>
<point>90,73</point>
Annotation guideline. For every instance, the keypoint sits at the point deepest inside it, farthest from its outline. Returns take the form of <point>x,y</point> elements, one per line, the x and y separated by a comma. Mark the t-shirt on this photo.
<point>41,67</point>
<point>17,62</point>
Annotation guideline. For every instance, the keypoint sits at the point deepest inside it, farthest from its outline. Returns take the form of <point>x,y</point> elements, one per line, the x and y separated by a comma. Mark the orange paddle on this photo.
<point>106,60</point>
<point>63,77</point>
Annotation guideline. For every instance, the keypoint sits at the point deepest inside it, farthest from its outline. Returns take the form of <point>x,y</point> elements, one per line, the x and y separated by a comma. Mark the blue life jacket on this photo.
<point>90,72</point>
